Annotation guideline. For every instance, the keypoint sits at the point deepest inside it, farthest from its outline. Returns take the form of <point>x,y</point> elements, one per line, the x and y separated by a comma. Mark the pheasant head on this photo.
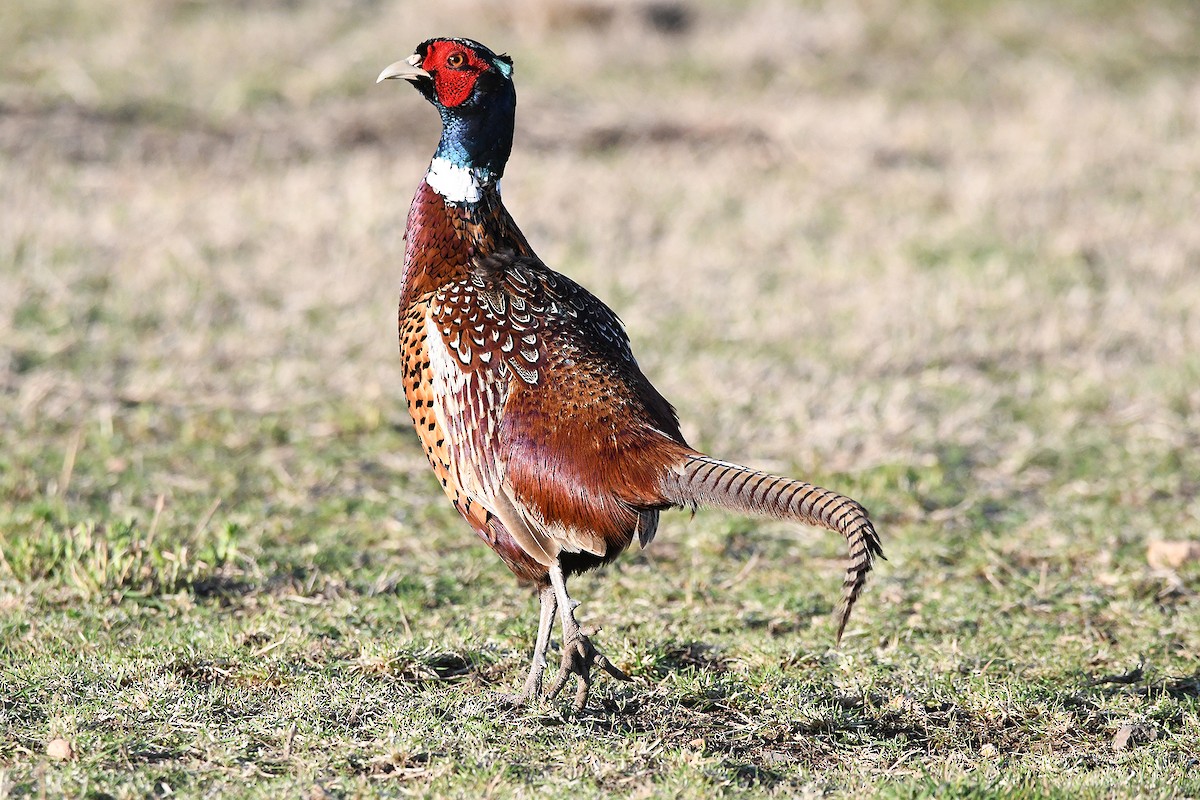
<point>472,89</point>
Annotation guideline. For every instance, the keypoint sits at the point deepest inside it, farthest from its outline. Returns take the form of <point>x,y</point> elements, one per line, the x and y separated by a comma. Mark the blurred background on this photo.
<point>951,247</point>
<point>942,255</point>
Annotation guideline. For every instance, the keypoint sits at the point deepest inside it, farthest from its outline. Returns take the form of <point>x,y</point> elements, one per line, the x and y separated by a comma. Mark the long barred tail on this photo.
<point>701,480</point>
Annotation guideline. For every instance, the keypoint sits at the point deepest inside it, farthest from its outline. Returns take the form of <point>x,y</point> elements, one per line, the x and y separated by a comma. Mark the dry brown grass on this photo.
<point>851,248</point>
<point>943,254</point>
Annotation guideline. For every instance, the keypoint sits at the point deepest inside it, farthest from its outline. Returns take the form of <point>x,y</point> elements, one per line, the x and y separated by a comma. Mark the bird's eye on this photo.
<point>455,60</point>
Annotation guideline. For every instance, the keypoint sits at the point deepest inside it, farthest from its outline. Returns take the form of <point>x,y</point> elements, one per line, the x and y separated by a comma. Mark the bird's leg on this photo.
<point>578,654</point>
<point>533,684</point>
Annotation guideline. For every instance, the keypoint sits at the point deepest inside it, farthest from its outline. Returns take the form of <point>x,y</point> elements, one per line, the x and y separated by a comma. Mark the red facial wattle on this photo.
<point>452,84</point>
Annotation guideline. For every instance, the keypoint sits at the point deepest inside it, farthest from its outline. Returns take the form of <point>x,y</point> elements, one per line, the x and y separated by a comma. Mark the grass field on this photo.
<point>941,256</point>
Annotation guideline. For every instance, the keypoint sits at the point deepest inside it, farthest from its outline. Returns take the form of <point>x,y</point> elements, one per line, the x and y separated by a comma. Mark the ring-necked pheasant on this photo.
<point>538,422</point>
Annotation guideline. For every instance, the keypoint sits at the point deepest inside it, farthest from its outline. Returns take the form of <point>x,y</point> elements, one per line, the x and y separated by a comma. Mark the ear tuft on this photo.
<point>504,63</point>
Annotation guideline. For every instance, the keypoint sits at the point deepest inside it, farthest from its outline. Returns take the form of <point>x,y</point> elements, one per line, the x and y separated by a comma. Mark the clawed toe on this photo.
<point>578,659</point>
<point>530,694</point>
<point>511,701</point>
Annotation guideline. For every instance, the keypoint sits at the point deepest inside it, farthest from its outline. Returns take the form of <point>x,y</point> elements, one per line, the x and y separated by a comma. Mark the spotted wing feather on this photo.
<point>539,384</point>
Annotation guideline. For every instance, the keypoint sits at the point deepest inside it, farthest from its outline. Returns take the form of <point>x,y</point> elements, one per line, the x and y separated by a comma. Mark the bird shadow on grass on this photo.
<point>725,718</point>
<point>221,587</point>
<point>1134,682</point>
<point>690,656</point>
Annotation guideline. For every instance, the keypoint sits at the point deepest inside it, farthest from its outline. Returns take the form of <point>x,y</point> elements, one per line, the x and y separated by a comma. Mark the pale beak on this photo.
<point>406,69</point>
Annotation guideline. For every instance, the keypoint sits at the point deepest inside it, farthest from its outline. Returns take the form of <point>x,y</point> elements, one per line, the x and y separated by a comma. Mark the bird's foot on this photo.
<point>530,694</point>
<point>511,701</point>
<point>579,656</point>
